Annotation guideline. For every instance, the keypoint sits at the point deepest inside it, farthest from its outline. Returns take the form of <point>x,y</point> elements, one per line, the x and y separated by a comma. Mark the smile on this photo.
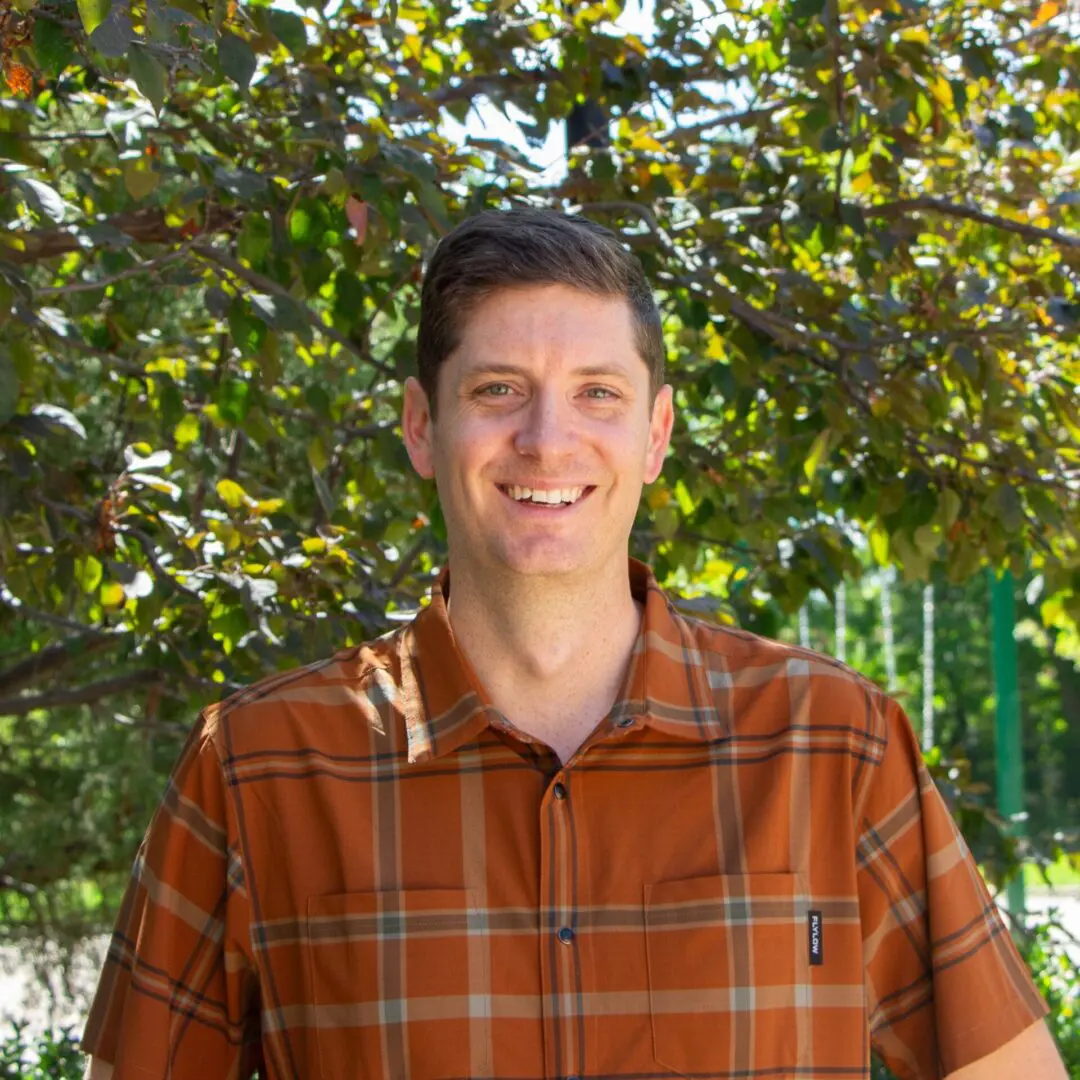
<point>550,497</point>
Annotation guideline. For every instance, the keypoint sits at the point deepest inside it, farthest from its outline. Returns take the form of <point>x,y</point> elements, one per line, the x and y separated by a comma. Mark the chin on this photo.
<point>547,563</point>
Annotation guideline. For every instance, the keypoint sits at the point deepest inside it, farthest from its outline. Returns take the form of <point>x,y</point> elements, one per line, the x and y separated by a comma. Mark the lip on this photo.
<point>542,486</point>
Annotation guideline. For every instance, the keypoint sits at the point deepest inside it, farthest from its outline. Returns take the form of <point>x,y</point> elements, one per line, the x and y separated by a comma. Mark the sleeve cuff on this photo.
<point>988,1035</point>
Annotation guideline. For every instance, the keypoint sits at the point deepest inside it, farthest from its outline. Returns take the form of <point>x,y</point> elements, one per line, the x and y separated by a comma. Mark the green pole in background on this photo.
<point>1010,768</point>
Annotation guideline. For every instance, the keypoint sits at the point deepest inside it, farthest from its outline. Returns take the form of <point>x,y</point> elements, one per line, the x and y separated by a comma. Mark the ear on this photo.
<point>663,418</point>
<point>416,425</point>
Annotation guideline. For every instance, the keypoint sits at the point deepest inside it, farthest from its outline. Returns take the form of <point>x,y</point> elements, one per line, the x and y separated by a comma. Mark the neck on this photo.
<point>533,640</point>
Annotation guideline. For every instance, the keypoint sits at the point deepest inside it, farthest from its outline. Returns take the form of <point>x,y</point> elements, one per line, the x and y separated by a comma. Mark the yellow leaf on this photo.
<point>863,182</point>
<point>880,405</point>
<point>112,594</point>
<point>1046,12</point>
<point>817,454</point>
<point>915,33</point>
<point>231,493</point>
<point>314,545</point>
<point>879,545</point>
<point>658,498</point>
<point>642,140</point>
<point>942,92</point>
<point>187,431</point>
<point>316,454</point>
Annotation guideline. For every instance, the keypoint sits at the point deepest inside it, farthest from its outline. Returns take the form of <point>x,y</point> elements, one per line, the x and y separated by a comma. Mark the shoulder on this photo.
<point>766,683</point>
<point>354,688</point>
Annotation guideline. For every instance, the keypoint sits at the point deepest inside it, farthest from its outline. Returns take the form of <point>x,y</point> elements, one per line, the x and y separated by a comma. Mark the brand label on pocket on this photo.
<point>814,930</point>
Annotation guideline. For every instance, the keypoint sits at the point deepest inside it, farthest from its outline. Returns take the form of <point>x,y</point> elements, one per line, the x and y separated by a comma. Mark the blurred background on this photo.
<point>862,222</point>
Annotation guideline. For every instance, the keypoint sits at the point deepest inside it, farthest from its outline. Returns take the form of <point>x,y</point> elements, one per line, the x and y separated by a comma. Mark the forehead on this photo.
<point>547,323</point>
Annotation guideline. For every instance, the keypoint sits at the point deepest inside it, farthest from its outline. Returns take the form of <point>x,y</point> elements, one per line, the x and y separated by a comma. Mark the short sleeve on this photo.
<point>945,984</point>
<point>177,995</point>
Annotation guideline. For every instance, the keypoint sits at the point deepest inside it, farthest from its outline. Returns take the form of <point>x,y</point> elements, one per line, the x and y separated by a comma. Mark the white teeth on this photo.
<point>552,497</point>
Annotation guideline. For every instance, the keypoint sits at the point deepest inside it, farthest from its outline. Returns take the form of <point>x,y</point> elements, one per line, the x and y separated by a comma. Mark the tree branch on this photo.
<point>942,206</point>
<point>27,612</point>
<point>82,695</point>
<point>746,118</point>
<point>67,136</point>
<point>55,656</point>
<point>143,226</point>
<point>265,284</point>
<point>104,283</point>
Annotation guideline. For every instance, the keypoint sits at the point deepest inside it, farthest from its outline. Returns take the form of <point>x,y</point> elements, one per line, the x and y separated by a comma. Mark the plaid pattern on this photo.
<point>361,869</point>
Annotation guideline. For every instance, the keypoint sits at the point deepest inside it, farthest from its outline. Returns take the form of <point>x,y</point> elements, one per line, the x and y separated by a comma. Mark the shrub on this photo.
<point>53,1056</point>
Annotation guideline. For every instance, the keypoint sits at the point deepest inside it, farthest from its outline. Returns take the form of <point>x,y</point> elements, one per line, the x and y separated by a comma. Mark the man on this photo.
<point>551,829</point>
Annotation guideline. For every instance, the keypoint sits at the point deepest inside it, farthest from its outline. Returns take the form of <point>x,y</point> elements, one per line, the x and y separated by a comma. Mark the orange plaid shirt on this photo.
<point>360,869</point>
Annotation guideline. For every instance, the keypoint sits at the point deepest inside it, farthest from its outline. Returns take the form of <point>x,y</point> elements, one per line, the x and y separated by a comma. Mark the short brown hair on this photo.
<point>499,249</point>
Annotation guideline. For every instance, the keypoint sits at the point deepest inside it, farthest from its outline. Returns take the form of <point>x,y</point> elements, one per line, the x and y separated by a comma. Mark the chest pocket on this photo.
<point>400,984</point>
<point>728,964</point>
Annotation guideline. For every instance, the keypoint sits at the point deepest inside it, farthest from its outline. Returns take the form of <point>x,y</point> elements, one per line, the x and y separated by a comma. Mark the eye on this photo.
<point>600,393</point>
<point>500,389</point>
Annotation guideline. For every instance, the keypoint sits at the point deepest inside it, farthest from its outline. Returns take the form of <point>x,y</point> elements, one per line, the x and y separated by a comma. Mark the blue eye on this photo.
<point>594,390</point>
<point>495,390</point>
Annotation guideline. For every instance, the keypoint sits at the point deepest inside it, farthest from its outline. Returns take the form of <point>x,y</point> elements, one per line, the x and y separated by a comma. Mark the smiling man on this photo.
<point>552,829</point>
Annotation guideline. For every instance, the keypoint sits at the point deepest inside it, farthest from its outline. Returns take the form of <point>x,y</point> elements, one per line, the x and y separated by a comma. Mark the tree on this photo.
<point>861,220</point>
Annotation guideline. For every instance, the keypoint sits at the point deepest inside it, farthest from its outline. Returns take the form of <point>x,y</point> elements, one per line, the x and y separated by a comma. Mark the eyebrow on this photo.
<point>590,370</point>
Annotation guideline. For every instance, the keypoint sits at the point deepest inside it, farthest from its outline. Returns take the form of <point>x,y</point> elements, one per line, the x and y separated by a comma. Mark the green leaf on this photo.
<point>316,454</point>
<point>818,452</point>
<point>156,483</point>
<point>967,360</point>
<point>59,418</point>
<point>248,332</point>
<point>236,59</point>
<point>159,459</point>
<point>253,243</point>
<point>52,46</point>
<point>308,221</point>
<point>140,179</point>
<point>948,509</point>
<point>233,400</point>
<point>113,37</point>
<point>289,30</point>
<point>148,74</point>
<point>93,13</point>
<point>9,386</point>
<point>924,110</point>
<point>897,113</point>
<point>322,489</point>
<point>433,204</point>
<point>88,573</point>
<point>44,199</point>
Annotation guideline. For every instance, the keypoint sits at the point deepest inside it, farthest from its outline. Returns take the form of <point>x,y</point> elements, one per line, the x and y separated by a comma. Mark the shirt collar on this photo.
<point>668,685</point>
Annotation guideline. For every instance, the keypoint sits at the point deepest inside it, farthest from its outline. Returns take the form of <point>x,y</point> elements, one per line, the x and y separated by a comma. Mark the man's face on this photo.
<point>546,432</point>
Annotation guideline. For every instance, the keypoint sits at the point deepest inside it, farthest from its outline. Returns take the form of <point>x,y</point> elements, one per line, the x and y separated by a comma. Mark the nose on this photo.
<point>547,427</point>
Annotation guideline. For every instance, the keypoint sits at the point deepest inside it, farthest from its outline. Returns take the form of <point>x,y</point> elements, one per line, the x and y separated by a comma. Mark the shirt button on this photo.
<point>566,935</point>
<point>560,793</point>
